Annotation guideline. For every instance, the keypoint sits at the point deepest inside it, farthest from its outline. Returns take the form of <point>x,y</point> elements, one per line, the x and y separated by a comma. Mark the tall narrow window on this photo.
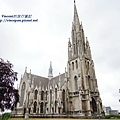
<point>72,65</point>
<point>63,100</point>
<point>55,93</point>
<point>76,64</point>
<point>35,96</point>
<point>76,84</point>
<point>41,107</point>
<point>35,106</point>
<point>55,106</point>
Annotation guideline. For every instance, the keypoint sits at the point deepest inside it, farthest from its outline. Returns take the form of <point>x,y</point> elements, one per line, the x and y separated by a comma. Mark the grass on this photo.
<point>55,119</point>
<point>50,119</point>
<point>44,119</point>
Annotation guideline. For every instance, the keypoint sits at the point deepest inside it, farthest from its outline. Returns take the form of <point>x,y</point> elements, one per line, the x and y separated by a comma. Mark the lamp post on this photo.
<point>98,108</point>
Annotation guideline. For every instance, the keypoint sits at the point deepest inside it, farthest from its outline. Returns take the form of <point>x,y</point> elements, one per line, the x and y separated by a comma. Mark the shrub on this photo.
<point>5,116</point>
<point>112,117</point>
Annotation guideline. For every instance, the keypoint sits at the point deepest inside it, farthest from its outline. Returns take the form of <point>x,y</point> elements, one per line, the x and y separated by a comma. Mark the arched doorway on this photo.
<point>35,106</point>
<point>94,105</point>
<point>63,100</point>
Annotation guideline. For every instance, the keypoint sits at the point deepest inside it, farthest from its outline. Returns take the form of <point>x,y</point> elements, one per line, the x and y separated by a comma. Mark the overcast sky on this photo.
<point>35,44</point>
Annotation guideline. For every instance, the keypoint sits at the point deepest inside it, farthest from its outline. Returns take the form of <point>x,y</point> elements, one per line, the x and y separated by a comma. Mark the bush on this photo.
<point>112,117</point>
<point>5,116</point>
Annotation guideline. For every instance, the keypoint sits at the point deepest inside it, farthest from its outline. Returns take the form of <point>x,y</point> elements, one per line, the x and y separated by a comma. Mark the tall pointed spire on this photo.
<point>75,33</point>
<point>50,73</point>
<point>76,18</point>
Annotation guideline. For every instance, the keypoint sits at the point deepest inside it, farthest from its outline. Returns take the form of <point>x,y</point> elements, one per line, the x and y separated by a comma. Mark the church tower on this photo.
<point>84,97</point>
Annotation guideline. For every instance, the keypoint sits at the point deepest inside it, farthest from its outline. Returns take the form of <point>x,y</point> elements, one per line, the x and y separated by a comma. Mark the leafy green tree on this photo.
<point>8,94</point>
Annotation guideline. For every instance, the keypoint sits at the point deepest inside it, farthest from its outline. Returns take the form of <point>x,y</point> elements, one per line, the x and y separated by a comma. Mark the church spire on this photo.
<point>50,73</point>
<point>76,18</point>
<point>75,33</point>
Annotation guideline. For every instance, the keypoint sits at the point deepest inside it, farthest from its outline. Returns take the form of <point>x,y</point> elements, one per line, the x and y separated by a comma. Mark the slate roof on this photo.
<point>56,79</point>
<point>37,79</point>
<point>45,81</point>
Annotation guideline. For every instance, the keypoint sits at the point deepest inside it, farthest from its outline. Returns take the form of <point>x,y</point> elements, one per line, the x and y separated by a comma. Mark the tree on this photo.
<point>8,94</point>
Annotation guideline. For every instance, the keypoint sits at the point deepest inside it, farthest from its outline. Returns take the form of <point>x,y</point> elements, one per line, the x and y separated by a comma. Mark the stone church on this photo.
<point>73,92</point>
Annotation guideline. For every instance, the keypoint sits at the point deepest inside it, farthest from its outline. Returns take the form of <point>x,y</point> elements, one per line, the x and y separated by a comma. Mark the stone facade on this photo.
<point>73,92</point>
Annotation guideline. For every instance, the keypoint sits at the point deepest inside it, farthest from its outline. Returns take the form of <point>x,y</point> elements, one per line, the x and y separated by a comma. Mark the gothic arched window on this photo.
<point>35,96</point>
<point>76,64</point>
<point>76,84</point>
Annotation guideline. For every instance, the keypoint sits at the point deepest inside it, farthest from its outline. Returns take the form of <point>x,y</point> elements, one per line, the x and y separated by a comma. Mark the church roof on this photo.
<point>44,81</point>
<point>56,79</point>
<point>38,79</point>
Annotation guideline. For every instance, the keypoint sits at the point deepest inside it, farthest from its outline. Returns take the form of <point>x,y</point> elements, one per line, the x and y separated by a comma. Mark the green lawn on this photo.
<point>45,119</point>
<point>40,119</point>
<point>52,119</point>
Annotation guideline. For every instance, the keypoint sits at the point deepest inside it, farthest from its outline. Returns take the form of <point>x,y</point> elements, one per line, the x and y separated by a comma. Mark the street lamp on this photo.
<point>98,102</point>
